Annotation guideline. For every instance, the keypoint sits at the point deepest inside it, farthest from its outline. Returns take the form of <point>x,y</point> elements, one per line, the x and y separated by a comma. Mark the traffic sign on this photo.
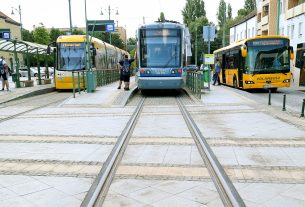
<point>110,27</point>
<point>100,25</point>
<point>209,33</point>
<point>6,35</point>
<point>209,59</point>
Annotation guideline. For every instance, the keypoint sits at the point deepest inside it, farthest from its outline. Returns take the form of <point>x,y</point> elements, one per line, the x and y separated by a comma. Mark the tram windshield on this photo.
<point>268,56</point>
<point>71,56</point>
<point>160,48</point>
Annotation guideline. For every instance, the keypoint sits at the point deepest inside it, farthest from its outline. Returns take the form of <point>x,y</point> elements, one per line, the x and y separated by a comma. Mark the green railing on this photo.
<point>194,82</point>
<point>106,76</point>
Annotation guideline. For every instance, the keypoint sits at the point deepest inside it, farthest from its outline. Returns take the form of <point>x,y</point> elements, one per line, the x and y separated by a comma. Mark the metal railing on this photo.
<point>106,76</point>
<point>194,82</point>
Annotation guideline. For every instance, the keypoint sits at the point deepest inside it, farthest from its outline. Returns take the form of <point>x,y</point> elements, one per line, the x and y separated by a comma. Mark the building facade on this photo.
<point>9,25</point>
<point>246,28</point>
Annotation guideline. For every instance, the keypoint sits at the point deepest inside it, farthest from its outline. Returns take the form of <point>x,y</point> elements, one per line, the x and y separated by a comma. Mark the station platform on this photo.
<point>16,93</point>
<point>261,148</point>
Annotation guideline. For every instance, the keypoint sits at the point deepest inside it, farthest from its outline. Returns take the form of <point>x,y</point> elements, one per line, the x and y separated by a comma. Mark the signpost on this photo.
<point>6,35</point>
<point>209,34</point>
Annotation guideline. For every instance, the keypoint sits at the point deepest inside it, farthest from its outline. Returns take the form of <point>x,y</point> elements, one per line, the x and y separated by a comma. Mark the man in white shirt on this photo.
<point>4,73</point>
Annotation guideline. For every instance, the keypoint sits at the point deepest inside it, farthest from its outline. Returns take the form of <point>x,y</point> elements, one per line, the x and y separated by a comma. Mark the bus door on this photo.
<point>300,62</point>
<point>223,68</point>
<point>241,65</point>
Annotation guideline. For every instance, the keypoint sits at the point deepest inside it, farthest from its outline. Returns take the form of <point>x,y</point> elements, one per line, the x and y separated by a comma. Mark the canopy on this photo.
<point>22,47</point>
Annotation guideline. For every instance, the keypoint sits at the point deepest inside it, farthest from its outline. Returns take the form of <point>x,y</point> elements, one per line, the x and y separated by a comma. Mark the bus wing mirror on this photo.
<point>291,53</point>
<point>244,51</point>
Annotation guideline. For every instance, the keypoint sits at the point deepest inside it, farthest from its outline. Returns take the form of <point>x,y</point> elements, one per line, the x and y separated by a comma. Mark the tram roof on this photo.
<point>22,47</point>
<point>156,25</point>
<point>82,38</point>
<point>241,42</point>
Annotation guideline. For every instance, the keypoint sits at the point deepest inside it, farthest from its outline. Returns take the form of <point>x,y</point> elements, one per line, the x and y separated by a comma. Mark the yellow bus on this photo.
<point>71,56</point>
<point>256,63</point>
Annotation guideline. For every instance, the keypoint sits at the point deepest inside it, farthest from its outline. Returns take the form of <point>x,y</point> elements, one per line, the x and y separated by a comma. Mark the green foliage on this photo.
<point>250,5</point>
<point>131,41</point>
<point>242,12</point>
<point>41,35</point>
<point>229,11</point>
<point>27,35</point>
<point>193,10</point>
<point>54,34</point>
<point>77,32</point>
<point>161,18</point>
<point>221,13</point>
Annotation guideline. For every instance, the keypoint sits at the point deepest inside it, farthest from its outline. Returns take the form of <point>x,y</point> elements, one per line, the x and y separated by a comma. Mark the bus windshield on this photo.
<point>268,55</point>
<point>71,56</point>
<point>160,48</point>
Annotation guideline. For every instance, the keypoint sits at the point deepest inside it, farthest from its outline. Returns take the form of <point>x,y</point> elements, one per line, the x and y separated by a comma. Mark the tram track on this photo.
<point>114,169</point>
<point>50,101</point>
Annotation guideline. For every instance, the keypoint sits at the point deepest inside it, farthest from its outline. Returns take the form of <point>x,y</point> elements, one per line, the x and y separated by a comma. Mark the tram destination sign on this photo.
<point>101,25</point>
<point>267,42</point>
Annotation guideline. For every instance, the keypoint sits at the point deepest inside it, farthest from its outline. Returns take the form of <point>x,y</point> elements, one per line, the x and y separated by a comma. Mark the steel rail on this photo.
<point>27,111</point>
<point>225,188</point>
<point>99,188</point>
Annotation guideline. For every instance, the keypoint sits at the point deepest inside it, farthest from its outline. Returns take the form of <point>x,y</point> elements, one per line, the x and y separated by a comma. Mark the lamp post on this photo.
<point>70,17</point>
<point>109,13</point>
<point>19,11</point>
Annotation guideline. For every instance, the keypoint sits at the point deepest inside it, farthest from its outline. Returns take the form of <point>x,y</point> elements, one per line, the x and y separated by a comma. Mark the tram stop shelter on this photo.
<point>27,49</point>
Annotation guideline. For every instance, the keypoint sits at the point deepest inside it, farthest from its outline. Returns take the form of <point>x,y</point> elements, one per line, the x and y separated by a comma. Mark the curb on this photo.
<point>33,93</point>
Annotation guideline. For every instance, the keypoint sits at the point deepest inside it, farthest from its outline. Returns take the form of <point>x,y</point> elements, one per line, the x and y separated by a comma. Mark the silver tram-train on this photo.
<point>162,51</point>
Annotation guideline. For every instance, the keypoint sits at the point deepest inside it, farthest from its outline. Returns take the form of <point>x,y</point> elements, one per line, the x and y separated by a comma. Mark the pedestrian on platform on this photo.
<point>121,75</point>
<point>4,73</point>
<point>216,73</point>
<point>126,71</point>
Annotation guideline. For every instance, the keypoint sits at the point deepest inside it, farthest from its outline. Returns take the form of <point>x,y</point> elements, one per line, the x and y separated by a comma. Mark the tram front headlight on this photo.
<point>148,72</point>
<point>286,81</point>
<point>249,82</point>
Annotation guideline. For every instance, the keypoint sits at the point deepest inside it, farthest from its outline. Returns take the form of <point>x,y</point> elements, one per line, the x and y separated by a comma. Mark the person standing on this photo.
<point>121,75</point>
<point>4,73</point>
<point>126,71</point>
<point>217,72</point>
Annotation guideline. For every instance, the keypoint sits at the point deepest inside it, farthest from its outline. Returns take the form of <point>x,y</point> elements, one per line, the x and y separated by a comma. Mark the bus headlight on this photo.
<point>286,81</point>
<point>249,82</point>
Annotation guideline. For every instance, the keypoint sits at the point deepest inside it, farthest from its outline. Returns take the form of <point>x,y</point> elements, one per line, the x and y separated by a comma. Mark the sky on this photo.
<point>132,13</point>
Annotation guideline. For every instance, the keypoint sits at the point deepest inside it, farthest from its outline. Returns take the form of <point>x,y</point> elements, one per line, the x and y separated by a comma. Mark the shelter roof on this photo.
<point>22,47</point>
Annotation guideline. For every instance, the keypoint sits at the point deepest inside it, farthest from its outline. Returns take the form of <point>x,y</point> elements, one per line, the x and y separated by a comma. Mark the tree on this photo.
<point>192,10</point>
<point>41,35</point>
<point>221,13</point>
<point>161,18</point>
<point>229,11</point>
<point>250,5</point>
<point>27,35</point>
<point>77,31</point>
<point>54,34</point>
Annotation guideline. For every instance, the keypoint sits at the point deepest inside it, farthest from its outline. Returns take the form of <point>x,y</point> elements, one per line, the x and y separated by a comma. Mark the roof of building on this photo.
<point>246,18</point>
<point>8,19</point>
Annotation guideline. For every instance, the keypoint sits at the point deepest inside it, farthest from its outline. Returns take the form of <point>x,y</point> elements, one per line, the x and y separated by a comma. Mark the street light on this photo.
<point>70,17</point>
<point>19,11</point>
<point>109,12</point>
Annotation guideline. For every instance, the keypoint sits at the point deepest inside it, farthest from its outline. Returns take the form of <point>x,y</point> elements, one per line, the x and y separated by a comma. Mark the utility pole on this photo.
<point>70,17</point>
<point>19,12</point>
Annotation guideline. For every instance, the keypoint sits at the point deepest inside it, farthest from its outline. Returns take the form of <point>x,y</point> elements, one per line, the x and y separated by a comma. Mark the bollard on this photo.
<point>303,108</point>
<point>284,102</point>
<point>269,100</point>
